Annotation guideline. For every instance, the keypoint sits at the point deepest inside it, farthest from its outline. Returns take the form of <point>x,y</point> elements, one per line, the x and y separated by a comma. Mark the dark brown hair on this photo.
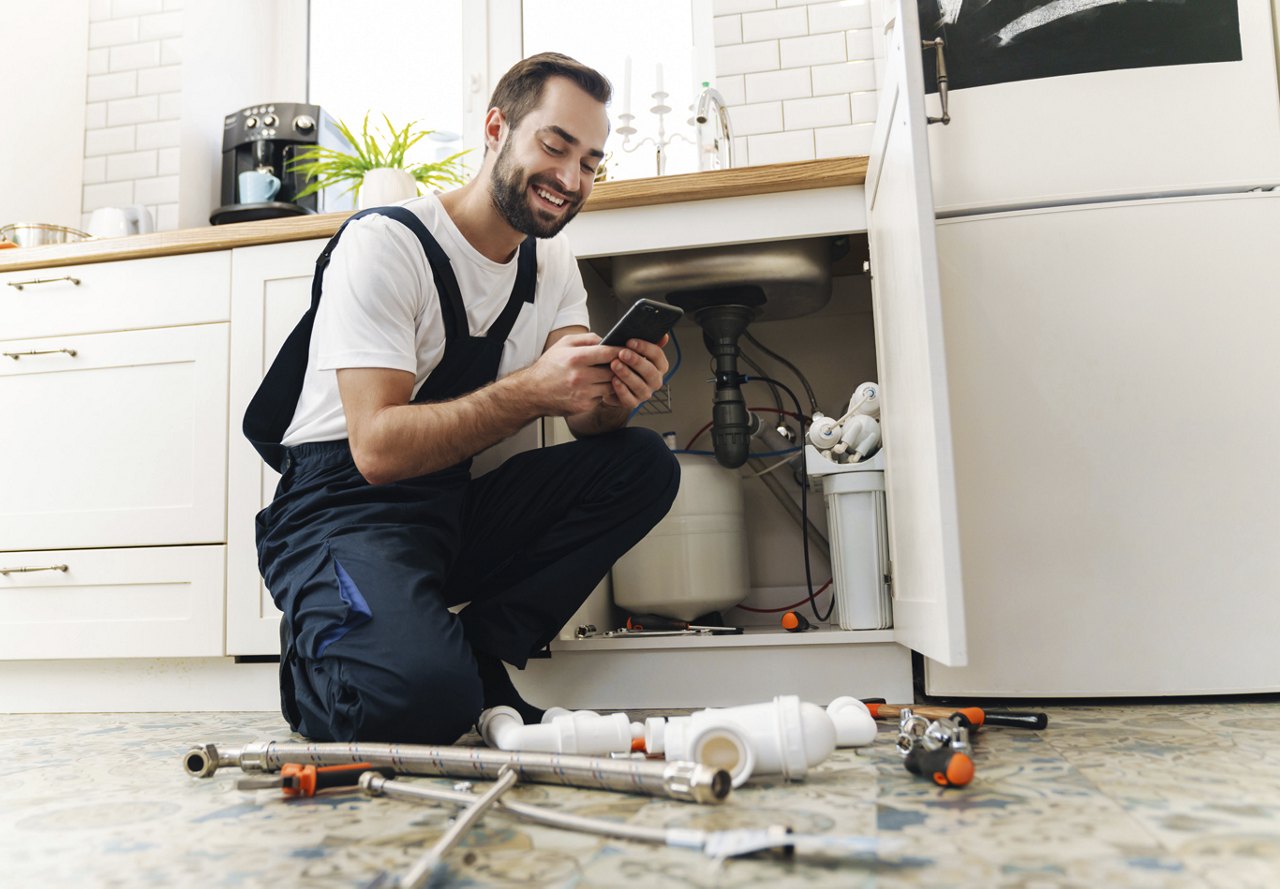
<point>520,89</point>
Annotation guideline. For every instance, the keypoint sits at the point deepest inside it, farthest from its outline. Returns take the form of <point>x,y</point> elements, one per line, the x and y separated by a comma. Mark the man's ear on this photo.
<point>495,128</point>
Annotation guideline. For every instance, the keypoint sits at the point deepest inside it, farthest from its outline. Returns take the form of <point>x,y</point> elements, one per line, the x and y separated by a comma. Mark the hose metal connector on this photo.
<point>696,782</point>
<point>201,761</point>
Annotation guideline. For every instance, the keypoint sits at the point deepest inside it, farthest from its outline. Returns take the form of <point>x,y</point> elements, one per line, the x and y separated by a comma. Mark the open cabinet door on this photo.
<point>924,544</point>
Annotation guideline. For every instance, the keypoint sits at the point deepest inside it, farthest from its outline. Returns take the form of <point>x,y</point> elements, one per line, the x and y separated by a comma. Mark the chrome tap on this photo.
<point>719,153</point>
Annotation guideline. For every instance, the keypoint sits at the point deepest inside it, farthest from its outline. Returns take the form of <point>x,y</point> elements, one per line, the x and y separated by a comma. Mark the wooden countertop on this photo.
<point>769,179</point>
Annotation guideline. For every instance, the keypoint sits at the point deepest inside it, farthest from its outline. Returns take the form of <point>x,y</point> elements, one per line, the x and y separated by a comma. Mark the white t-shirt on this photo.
<point>380,309</point>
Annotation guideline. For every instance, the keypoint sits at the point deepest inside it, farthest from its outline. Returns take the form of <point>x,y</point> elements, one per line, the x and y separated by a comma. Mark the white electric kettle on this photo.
<point>117,222</point>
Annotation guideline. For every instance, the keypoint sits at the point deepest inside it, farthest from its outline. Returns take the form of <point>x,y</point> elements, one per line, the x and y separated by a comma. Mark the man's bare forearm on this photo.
<point>408,440</point>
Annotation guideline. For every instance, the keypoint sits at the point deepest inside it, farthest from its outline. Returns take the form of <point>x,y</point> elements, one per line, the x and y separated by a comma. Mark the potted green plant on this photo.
<point>377,169</point>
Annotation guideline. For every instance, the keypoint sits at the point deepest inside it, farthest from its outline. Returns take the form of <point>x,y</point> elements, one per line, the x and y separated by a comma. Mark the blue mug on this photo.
<point>257,186</point>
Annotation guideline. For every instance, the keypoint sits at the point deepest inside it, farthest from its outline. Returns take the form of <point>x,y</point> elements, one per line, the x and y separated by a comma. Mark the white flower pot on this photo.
<point>384,186</point>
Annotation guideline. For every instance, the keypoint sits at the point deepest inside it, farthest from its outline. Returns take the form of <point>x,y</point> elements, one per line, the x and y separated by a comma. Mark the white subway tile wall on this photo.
<point>799,76</point>
<point>133,104</point>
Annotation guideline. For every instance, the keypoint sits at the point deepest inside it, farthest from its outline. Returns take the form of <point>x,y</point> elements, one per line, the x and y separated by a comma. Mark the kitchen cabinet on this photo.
<point>1092,542</point>
<point>271,289</point>
<point>115,402</point>
<point>136,602</point>
<point>1116,481</point>
<point>123,439</point>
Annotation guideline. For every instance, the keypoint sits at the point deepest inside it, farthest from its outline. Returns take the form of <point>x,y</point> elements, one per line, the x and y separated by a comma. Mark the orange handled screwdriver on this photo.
<point>296,779</point>
<point>794,622</point>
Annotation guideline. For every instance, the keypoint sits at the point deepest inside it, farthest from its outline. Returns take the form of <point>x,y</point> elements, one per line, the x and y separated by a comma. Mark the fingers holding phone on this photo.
<point>640,366</point>
<point>638,371</point>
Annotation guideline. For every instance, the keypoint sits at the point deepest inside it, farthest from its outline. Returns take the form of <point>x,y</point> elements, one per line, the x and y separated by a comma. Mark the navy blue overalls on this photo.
<point>365,574</point>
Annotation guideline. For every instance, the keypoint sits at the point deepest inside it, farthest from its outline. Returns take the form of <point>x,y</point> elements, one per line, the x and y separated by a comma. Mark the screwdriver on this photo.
<point>296,779</point>
<point>643,622</point>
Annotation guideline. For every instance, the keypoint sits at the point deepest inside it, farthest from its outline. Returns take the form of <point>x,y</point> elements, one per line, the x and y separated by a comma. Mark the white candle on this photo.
<point>659,89</point>
<point>626,87</point>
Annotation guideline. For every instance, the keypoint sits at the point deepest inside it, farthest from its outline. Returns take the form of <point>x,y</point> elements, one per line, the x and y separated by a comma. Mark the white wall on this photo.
<point>799,77</point>
<point>132,107</point>
<point>235,53</point>
<point>42,110</point>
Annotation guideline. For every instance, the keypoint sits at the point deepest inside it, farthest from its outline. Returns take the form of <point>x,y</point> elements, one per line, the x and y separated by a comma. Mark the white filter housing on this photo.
<point>857,525</point>
<point>694,560</point>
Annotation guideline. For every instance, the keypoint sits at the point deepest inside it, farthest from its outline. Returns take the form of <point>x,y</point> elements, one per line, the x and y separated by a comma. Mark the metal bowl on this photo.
<point>38,234</point>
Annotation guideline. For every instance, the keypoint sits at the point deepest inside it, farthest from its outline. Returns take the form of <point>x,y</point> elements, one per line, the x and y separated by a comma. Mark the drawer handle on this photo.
<point>16,355</point>
<point>18,285</point>
<point>7,571</point>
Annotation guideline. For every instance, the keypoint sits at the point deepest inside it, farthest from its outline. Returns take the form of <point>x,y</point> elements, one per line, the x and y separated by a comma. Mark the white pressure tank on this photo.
<point>694,560</point>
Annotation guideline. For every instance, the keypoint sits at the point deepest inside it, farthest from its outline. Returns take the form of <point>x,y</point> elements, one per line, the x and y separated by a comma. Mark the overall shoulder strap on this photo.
<point>271,410</point>
<point>523,291</point>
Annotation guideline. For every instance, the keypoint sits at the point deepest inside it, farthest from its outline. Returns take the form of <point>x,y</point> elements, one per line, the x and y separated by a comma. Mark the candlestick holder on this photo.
<point>659,142</point>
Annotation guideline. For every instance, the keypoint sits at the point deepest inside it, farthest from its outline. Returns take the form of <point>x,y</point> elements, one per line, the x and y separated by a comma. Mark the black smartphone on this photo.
<point>647,319</point>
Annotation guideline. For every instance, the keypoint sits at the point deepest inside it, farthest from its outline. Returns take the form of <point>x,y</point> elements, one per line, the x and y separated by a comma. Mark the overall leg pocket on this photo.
<point>353,611</point>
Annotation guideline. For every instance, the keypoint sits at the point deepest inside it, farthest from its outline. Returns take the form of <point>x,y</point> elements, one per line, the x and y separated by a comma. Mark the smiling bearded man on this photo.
<point>439,327</point>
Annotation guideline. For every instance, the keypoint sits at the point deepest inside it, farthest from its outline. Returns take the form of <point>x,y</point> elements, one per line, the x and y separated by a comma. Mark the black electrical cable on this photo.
<point>773,390</point>
<point>804,516</point>
<point>813,401</point>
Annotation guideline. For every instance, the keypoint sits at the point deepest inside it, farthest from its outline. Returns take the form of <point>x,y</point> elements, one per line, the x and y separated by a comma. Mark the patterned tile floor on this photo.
<point>1108,796</point>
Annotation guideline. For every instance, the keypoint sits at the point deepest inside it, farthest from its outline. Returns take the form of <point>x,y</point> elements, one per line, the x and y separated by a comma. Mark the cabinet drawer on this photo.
<point>149,602</point>
<point>114,439</point>
<point>126,295</point>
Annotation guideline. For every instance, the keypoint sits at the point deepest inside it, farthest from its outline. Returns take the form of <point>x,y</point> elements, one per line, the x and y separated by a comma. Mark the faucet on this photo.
<point>719,154</point>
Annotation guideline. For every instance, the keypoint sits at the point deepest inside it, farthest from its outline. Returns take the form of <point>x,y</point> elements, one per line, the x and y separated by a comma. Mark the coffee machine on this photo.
<point>267,138</point>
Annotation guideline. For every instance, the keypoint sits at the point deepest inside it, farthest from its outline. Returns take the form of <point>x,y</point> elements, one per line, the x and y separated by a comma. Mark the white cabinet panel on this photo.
<point>114,439</point>
<point>112,603</point>
<point>1115,434</point>
<point>271,287</point>
<point>1132,132</point>
<point>102,296</point>
<point>919,476</point>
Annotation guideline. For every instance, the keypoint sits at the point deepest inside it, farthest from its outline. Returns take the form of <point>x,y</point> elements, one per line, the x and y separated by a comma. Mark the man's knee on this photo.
<point>647,464</point>
<point>417,700</point>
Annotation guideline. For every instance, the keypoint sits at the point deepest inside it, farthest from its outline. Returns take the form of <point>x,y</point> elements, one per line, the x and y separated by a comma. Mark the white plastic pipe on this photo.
<point>583,732</point>
<point>784,737</point>
<point>853,722</point>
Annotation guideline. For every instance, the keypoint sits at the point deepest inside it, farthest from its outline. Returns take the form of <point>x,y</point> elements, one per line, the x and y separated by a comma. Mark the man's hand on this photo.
<point>637,373</point>
<point>573,376</point>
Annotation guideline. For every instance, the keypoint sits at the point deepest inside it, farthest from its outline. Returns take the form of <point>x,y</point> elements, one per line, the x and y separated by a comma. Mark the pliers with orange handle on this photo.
<point>295,779</point>
<point>939,749</point>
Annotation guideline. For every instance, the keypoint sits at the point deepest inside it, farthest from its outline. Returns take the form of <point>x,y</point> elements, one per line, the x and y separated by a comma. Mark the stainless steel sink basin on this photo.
<point>784,279</point>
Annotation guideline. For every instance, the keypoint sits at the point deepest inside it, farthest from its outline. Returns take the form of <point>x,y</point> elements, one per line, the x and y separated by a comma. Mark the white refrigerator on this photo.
<point>1085,264</point>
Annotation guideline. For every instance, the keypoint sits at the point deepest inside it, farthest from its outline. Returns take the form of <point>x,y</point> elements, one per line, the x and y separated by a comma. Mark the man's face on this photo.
<point>544,170</point>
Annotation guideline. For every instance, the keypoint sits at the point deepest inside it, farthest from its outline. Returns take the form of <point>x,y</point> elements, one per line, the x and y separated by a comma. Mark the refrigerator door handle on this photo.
<point>938,43</point>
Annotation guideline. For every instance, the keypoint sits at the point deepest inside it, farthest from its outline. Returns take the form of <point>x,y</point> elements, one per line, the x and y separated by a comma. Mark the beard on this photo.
<point>509,193</point>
